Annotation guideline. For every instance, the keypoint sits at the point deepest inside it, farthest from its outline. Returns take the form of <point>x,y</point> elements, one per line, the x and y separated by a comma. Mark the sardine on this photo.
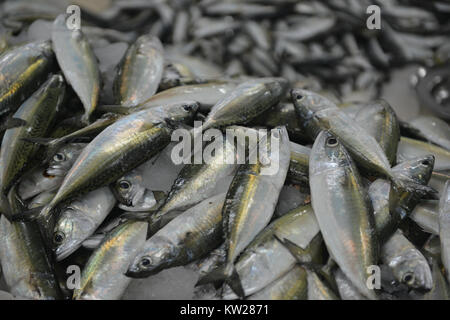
<point>139,72</point>
<point>341,203</point>
<point>78,63</point>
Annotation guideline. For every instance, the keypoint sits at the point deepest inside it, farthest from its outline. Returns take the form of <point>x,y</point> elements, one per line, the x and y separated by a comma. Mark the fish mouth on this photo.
<point>63,252</point>
<point>141,201</point>
<point>56,171</point>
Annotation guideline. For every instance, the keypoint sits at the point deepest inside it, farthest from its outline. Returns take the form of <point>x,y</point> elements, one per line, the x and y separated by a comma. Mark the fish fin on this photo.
<point>294,249</point>
<point>402,183</point>
<point>159,196</point>
<point>13,123</point>
<point>224,274</point>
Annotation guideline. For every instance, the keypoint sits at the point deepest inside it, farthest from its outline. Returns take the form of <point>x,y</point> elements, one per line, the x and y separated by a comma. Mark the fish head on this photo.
<point>181,112</point>
<point>307,103</point>
<point>412,269</point>
<point>155,255</point>
<point>64,158</point>
<point>70,231</point>
<point>418,169</point>
<point>327,153</point>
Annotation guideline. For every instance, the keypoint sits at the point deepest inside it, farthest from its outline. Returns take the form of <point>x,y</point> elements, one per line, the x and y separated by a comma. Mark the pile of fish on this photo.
<point>322,196</point>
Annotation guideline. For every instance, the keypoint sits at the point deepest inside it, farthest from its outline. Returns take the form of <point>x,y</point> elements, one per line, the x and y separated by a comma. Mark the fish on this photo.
<point>248,100</point>
<point>249,206</point>
<point>380,121</point>
<point>340,202</point>
<point>119,148</point>
<point>291,286</point>
<point>444,225</point>
<point>184,239</point>
<point>195,183</point>
<point>38,112</point>
<point>266,258</point>
<point>49,177</point>
<point>53,144</point>
<point>206,94</point>
<point>409,148</point>
<point>78,63</point>
<point>139,72</point>
<point>429,128</point>
<point>27,269</point>
<point>103,276</point>
<point>23,70</point>
<point>391,207</point>
<point>79,220</point>
<point>408,264</point>
<point>298,172</point>
<point>283,114</point>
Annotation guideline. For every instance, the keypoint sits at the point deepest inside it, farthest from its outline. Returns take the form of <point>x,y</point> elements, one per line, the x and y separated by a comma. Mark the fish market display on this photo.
<point>225,150</point>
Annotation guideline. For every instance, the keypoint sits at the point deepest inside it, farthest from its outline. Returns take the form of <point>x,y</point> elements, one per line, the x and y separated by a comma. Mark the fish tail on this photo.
<point>401,183</point>
<point>224,274</point>
<point>12,123</point>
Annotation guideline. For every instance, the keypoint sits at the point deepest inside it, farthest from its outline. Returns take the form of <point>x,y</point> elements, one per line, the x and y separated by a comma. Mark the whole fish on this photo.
<point>249,206</point>
<point>207,95</point>
<point>426,215</point>
<point>50,177</point>
<point>139,72</point>
<point>38,112</point>
<point>379,120</point>
<point>429,128</point>
<point>363,147</point>
<point>444,227</point>
<point>407,263</point>
<point>80,219</point>
<point>340,203</point>
<point>245,102</point>
<point>186,238</point>
<point>103,277</point>
<point>410,148</point>
<point>23,70</point>
<point>78,63</point>
<point>291,286</point>
<point>266,258</point>
<point>119,148</point>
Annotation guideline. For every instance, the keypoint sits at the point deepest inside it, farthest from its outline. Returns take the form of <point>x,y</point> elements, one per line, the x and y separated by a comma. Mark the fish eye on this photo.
<point>124,184</point>
<point>408,278</point>
<point>332,142</point>
<point>299,96</point>
<point>187,107</point>
<point>59,237</point>
<point>426,162</point>
<point>145,262</point>
<point>59,157</point>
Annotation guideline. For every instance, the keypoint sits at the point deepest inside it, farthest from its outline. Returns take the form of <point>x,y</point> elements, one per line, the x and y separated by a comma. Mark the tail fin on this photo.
<point>401,183</point>
<point>12,123</point>
<point>224,274</point>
